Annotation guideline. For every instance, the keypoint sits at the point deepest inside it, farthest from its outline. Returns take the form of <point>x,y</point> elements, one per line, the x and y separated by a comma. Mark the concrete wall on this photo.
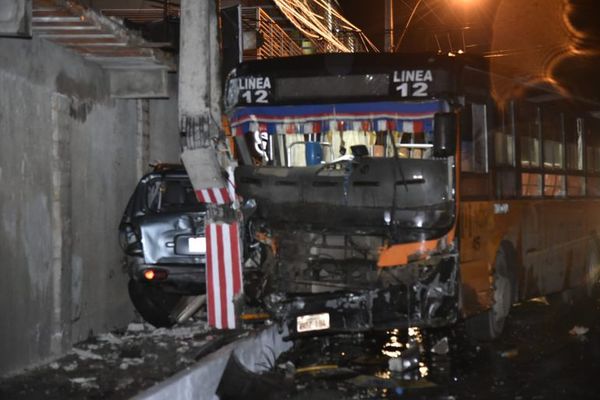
<point>164,126</point>
<point>70,157</point>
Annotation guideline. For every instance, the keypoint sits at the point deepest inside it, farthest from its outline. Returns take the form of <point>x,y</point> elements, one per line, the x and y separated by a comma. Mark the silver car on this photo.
<point>162,235</point>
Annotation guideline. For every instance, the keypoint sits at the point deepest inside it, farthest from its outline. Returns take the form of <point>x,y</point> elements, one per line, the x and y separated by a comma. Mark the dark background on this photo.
<point>470,25</point>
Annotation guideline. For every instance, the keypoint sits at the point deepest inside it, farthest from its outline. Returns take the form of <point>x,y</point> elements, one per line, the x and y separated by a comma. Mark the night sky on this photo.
<point>496,27</point>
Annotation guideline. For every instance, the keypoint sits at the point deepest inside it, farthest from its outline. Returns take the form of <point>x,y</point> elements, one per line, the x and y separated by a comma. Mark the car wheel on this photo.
<point>154,305</point>
<point>489,325</point>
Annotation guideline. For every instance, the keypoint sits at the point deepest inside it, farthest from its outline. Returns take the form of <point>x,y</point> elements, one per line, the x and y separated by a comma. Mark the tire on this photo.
<point>154,305</point>
<point>489,325</point>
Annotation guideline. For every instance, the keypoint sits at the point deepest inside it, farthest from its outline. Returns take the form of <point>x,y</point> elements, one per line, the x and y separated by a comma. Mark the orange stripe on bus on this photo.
<point>399,254</point>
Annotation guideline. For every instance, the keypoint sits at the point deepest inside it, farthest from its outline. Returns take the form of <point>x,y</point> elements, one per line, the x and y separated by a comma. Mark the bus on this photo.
<point>385,191</point>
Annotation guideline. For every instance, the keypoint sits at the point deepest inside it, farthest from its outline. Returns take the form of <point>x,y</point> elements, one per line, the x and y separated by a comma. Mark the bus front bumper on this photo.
<point>431,300</point>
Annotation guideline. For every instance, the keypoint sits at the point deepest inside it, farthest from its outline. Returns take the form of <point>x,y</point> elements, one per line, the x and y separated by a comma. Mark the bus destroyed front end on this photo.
<point>354,245</point>
<point>425,296</point>
<point>347,177</point>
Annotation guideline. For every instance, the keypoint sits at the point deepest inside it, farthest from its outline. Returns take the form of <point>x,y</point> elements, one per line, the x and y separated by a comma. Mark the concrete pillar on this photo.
<point>215,63</point>
<point>61,225</point>
<point>205,156</point>
<point>200,94</point>
<point>195,73</point>
<point>15,18</point>
<point>143,137</point>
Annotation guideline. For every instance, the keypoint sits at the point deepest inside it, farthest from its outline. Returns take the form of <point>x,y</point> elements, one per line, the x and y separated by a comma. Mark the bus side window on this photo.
<point>593,149</point>
<point>574,139</point>
<point>593,157</point>
<point>531,184</point>
<point>504,138</point>
<point>553,151</point>
<point>574,129</point>
<point>528,128</point>
<point>552,126</point>
<point>474,147</point>
<point>504,152</point>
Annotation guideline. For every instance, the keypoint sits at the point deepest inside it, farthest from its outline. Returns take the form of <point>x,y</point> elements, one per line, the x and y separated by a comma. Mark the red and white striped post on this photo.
<point>223,259</point>
<point>224,281</point>
<point>223,274</point>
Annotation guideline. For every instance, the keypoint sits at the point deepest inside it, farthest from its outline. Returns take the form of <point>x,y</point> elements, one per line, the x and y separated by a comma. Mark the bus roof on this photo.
<point>353,63</point>
<point>358,77</point>
<point>345,77</point>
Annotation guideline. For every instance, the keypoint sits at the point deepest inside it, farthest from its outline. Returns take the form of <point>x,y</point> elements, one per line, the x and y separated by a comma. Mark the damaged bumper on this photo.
<point>430,300</point>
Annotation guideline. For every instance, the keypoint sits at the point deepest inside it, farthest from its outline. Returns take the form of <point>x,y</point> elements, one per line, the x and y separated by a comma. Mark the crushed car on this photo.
<point>162,235</point>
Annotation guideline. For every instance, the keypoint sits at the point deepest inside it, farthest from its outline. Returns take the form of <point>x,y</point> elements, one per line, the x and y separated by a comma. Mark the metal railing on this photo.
<point>271,40</point>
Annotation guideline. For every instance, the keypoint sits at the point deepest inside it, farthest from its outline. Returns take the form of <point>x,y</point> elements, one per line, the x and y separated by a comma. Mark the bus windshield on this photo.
<point>304,135</point>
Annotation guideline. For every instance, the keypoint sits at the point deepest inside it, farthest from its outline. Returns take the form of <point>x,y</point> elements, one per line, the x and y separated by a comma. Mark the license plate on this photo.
<point>314,322</point>
<point>197,245</point>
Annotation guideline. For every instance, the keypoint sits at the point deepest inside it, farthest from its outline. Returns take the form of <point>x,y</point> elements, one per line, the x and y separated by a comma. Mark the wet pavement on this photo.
<point>546,352</point>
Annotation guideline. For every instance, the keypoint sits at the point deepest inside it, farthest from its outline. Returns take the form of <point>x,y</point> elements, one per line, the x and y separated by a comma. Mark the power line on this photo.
<point>307,17</point>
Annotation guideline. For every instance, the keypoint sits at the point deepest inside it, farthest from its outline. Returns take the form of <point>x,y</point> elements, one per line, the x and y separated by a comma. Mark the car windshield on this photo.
<point>171,194</point>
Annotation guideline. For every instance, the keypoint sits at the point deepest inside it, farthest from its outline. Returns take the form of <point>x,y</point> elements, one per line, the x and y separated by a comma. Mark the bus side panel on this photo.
<point>552,239</point>
<point>483,227</point>
<point>477,255</point>
<point>564,238</point>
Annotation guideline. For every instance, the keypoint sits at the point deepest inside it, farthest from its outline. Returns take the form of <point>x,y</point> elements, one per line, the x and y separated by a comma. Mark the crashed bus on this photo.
<point>386,191</point>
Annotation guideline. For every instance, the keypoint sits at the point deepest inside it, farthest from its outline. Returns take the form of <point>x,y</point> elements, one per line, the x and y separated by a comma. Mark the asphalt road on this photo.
<point>536,358</point>
<point>539,356</point>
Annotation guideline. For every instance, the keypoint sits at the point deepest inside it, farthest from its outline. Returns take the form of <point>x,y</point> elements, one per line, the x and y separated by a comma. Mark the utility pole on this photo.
<point>206,157</point>
<point>389,26</point>
<point>198,66</point>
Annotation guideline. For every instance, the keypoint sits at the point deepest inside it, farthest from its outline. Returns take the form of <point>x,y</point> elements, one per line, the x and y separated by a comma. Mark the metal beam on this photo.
<point>15,18</point>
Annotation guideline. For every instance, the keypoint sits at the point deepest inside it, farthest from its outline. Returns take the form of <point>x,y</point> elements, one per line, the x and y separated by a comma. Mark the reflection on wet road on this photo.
<point>547,352</point>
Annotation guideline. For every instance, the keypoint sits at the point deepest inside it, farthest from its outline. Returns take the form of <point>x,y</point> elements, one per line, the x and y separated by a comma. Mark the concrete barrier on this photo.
<point>256,352</point>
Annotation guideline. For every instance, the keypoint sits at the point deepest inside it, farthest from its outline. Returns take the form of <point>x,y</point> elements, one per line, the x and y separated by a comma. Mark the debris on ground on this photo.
<point>512,353</point>
<point>316,368</point>
<point>419,384</point>
<point>86,355</point>
<point>68,367</point>
<point>136,327</point>
<point>540,300</point>
<point>408,360</point>
<point>373,381</point>
<point>109,338</point>
<point>288,368</point>
<point>115,365</point>
<point>579,330</point>
<point>441,348</point>
<point>85,383</point>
